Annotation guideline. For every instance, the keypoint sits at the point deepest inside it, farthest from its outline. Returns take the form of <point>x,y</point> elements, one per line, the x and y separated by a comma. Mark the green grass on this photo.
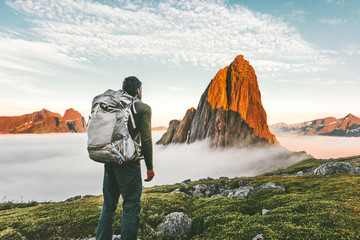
<point>312,207</point>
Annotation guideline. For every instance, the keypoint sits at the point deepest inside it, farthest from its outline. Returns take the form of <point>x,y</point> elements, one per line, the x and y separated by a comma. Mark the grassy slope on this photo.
<point>312,207</point>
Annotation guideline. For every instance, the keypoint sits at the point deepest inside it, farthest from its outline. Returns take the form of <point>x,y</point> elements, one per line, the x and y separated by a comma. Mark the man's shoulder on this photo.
<point>142,107</point>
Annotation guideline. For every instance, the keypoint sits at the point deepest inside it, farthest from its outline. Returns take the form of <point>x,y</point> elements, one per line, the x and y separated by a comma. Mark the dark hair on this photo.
<point>130,84</point>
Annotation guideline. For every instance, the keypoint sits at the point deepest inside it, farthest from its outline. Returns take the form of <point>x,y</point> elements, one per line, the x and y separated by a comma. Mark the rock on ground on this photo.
<point>271,185</point>
<point>176,225</point>
<point>336,167</point>
<point>115,237</point>
<point>243,192</point>
<point>258,237</point>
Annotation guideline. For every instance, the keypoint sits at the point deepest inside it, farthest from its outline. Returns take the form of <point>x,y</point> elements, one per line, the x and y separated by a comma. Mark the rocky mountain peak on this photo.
<point>71,114</point>
<point>230,112</point>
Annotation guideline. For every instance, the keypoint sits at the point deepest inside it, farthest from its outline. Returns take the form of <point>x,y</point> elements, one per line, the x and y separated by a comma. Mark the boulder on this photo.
<point>356,170</point>
<point>258,237</point>
<point>114,237</point>
<point>265,211</point>
<point>243,183</point>
<point>176,225</point>
<point>200,190</point>
<point>244,192</point>
<point>335,167</point>
<point>73,198</point>
<point>273,186</point>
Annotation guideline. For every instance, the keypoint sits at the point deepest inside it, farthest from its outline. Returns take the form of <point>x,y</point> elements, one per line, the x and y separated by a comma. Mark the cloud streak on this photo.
<point>202,33</point>
<point>333,21</point>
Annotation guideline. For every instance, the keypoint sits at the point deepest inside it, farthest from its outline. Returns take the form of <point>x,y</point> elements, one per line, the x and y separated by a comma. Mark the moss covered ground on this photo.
<point>312,207</point>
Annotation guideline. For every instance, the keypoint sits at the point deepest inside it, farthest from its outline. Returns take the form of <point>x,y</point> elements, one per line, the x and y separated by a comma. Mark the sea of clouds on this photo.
<point>54,167</point>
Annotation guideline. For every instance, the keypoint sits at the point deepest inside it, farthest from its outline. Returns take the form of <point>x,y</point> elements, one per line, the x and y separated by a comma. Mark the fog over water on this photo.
<point>54,167</point>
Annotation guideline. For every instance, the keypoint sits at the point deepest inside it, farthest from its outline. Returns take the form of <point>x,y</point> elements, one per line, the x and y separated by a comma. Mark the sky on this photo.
<point>60,54</point>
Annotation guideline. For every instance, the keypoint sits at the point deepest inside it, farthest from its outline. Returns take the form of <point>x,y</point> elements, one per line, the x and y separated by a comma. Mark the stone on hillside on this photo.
<point>265,211</point>
<point>200,190</point>
<point>271,185</point>
<point>222,181</point>
<point>184,185</point>
<point>243,183</point>
<point>176,225</point>
<point>356,170</point>
<point>244,192</point>
<point>225,178</point>
<point>258,237</point>
<point>335,167</point>
<point>186,180</point>
<point>89,196</point>
<point>176,191</point>
<point>73,198</point>
<point>114,237</point>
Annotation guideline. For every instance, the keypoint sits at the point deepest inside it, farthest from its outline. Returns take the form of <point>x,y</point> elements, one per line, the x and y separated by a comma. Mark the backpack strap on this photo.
<point>130,113</point>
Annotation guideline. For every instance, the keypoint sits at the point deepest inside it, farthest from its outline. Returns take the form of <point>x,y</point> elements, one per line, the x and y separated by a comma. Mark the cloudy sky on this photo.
<point>60,54</point>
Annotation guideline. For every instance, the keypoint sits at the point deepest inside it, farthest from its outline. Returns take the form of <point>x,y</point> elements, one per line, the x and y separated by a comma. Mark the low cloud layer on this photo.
<point>56,167</point>
<point>322,146</point>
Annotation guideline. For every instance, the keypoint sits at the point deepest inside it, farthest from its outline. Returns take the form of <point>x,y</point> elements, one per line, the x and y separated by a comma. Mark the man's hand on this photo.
<point>150,175</point>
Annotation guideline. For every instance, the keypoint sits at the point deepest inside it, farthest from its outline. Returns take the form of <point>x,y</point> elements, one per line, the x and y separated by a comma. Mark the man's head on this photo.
<point>132,86</point>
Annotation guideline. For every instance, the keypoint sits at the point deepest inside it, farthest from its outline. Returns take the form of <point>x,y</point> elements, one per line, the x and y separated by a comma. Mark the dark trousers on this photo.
<point>124,180</point>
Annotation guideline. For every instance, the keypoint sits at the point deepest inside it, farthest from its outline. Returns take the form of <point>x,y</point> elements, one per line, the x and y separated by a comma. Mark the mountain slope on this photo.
<point>43,121</point>
<point>349,126</point>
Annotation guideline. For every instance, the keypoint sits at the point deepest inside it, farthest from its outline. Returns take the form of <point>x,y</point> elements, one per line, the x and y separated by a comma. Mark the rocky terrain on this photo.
<point>43,121</point>
<point>349,126</point>
<point>229,113</point>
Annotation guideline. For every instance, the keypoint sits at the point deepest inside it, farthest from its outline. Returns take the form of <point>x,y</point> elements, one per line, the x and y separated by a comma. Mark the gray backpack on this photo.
<point>109,140</point>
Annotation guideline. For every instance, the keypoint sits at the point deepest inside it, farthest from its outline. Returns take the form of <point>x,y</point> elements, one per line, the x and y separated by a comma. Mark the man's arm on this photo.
<point>146,138</point>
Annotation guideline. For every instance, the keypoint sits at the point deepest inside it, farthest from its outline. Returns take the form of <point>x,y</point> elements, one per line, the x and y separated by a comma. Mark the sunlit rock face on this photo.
<point>43,121</point>
<point>229,113</point>
<point>349,126</point>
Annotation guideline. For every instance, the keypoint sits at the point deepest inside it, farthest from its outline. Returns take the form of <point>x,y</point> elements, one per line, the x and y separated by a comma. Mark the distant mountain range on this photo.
<point>43,121</point>
<point>348,126</point>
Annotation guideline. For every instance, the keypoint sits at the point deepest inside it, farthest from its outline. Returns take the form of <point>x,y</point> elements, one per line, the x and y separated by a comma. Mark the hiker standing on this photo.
<point>125,179</point>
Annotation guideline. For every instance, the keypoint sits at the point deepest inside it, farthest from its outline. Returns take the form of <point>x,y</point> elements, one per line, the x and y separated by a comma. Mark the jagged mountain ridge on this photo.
<point>229,113</point>
<point>43,121</point>
<point>349,126</point>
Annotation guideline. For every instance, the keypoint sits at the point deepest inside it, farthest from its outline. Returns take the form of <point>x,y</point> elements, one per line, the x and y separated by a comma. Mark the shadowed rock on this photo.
<point>336,167</point>
<point>182,130</point>
<point>169,134</point>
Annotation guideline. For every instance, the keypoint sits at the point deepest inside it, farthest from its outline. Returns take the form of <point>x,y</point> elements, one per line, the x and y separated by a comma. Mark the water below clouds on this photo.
<point>53,167</point>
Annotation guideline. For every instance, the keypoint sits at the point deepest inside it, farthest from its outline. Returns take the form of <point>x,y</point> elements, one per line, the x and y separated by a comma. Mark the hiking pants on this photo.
<point>124,180</point>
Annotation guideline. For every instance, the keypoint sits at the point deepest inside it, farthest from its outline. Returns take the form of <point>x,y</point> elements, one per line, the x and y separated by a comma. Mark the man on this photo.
<point>126,180</point>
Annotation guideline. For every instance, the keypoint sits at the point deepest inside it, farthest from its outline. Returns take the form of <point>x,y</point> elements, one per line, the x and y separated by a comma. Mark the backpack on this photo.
<point>109,140</point>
